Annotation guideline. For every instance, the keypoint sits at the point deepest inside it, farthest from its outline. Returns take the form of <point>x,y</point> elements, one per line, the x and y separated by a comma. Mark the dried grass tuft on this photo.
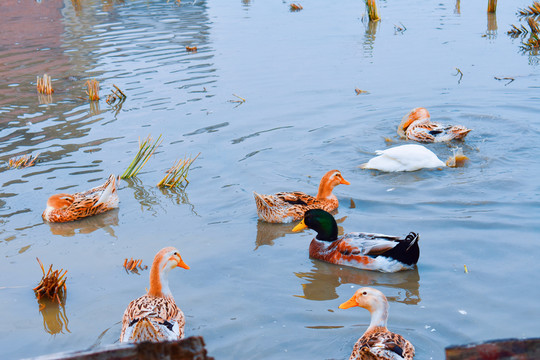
<point>93,89</point>
<point>146,149</point>
<point>52,285</point>
<point>178,173</point>
<point>44,85</point>
<point>23,161</point>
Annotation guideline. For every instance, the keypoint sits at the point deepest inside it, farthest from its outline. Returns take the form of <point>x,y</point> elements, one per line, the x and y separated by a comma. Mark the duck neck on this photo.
<point>379,315</point>
<point>159,282</point>
<point>325,191</point>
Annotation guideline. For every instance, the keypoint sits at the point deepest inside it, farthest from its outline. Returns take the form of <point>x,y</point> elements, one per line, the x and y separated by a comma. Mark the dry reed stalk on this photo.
<point>44,85</point>
<point>134,265</point>
<point>492,6</point>
<point>177,173</point>
<point>115,95</point>
<point>373,13</point>
<point>22,162</point>
<point>52,284</point>
<point>295,7</point>
<point>93,89</point>
<point>533,10</point>
<point>533,24</point>
<point>146,149</point>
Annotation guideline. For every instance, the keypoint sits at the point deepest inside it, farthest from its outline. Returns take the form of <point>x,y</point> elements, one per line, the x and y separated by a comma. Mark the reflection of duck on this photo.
<point>323,279</point>
<point>54,315</point>
<point>67,207</point>
<point>155,316</point>
<point>285,207</point>
<point>409,157</point>
<point>104,221</point>
<point>377,343</point>
<point>361,250</point>
<point>416,125</point>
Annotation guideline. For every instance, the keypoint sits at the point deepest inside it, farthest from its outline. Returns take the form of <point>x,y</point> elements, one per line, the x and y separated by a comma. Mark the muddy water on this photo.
<point>252,291</point>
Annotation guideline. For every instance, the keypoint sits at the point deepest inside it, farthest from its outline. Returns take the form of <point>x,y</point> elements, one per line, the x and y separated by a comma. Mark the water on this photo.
<point>252,291</point>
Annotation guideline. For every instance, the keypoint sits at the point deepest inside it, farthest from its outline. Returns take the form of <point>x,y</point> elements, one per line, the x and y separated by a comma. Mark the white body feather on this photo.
<point>409,157</point>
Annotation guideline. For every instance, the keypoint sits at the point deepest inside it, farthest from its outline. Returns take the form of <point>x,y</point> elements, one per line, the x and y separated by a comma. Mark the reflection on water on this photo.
<point>323,280</point>
<point>54,316</point>
<point>178,196</point>
<point>491,25</point>
<point>369,38</point>
<point>145,195</point>
<point>104,221</point>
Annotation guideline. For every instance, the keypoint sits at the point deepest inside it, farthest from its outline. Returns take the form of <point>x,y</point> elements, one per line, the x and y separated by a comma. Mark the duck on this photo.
<point>417,126</point>
<point>155,316</point>
<point>367,251</point>
<point>410,157</point>
<point>377,342</point>
<point>285,207</point>
<point>69,207</point>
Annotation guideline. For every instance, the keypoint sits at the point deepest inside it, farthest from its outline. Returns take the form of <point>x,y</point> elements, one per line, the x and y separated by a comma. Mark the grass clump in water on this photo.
<point>52,285</point>
<point>93,89</point>
<point>178,173</point>
<point>146,149</point>
<point>44,85</point>
<point>22,162</point>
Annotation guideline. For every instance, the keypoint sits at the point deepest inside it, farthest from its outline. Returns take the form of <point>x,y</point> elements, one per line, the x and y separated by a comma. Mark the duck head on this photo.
<point>60,201</point>
<point>374,301</point>
<point>165,260</point>
<point>330,180</point>
<point>322,222</point>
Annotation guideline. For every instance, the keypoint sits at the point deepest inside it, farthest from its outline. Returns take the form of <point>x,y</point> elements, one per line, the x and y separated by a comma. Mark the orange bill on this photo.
<point>349,303</point>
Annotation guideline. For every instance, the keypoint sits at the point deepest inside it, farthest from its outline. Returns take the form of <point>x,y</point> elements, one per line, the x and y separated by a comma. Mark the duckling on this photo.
<point>416,125</point>
<point>155,316</point>
<point>285,207</point>
<point>366,251</point>
<point>70,207</point>
<point>377,343</point>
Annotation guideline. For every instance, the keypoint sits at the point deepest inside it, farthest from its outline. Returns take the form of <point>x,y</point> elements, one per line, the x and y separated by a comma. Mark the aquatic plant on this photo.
<point>52,285</point>
<point>373,13</point>
<point>23,161</point>
<point>133,265</point>
<point>44,85</point>
<point>146,149</point>
<point>492,6</point>
<point>116,94</point>
<point>533,10</point>
<point>177,173</point>
<point>93,89</point>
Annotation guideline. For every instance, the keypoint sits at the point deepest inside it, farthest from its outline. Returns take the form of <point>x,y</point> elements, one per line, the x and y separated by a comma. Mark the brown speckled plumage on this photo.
<point>286,207</point>
<point>417,126</point>
<point>70,207</point>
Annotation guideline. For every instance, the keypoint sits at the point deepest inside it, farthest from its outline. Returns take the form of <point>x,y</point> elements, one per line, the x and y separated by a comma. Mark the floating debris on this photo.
<point>352,205</point>
<point>93,89</point>
<point>22,162</point>
<point>44,85</point>
<point>134,265</point>
<point>492,6</point>
<point>399,29</point>
<point>533,10</point>
<point>192,49</point>
<point>509,79</point>
<point>52,285</point>
<point>116,94</point>
<point>465,268</point>
<point>388,140</point>
<point>146,149</point>
<point>241,101</point>
<point>177,173</point>
<point>358,91</point>
<point>515,31</point>
<point>373,13</point>
<point>460,73</point>
<point>295,7</point>
<point>458,159</point>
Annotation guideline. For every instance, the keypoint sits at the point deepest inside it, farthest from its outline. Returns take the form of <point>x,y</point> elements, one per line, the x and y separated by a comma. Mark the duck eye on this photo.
<point>175,254</point>
<point>364,293</point>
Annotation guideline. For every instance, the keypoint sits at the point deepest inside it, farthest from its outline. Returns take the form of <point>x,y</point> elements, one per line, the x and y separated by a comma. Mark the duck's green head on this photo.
<point>322,222</point>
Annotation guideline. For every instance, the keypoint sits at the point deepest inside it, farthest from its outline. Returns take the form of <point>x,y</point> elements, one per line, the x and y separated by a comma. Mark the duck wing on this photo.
<point>435,132</point>
<point>385,344</point>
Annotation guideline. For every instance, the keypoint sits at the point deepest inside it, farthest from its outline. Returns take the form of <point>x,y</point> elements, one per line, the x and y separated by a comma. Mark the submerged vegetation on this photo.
<point>44,85</point>
<point>146,149</point>
<point>178,173</point>
<point>52,285</point>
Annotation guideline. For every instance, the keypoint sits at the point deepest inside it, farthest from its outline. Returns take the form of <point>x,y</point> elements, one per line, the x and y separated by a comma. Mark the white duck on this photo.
<point>409,157</point>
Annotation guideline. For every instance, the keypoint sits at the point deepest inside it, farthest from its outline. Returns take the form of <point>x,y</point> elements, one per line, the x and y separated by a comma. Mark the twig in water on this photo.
<point>460,75</point>
<point>509,79</point>
<point>358,91</point>
<point>192,49</point>
<point>399,29</point>
<point>146,149</point>
<point>295,7</point>
<point>242,100</point>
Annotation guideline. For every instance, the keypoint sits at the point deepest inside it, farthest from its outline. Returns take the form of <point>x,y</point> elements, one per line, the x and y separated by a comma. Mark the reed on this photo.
<point>492,6</point>
<point>146,149</point>
<point>295,7</point>
<point>533,10</point>
<point>192,49</point>
<point>177,173</point>
<point>373,13</point>
<point>52,285</point>
<point>134,265</point>
<point>116,94</point>
<point>93,89</point>
<point>44,85</point>
<point>22,162</point>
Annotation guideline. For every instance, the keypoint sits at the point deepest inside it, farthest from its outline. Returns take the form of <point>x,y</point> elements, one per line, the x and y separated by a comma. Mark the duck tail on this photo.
<point>144,330</point>
<point>460,132</point>
<point>407,250</point>
<point>109,196</point>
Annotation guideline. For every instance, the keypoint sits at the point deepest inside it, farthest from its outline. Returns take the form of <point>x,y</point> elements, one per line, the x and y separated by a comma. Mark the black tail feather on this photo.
<point>407,251</point>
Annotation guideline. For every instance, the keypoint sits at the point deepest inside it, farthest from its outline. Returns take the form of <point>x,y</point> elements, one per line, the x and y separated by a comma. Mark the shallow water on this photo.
<point>252,291</point>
